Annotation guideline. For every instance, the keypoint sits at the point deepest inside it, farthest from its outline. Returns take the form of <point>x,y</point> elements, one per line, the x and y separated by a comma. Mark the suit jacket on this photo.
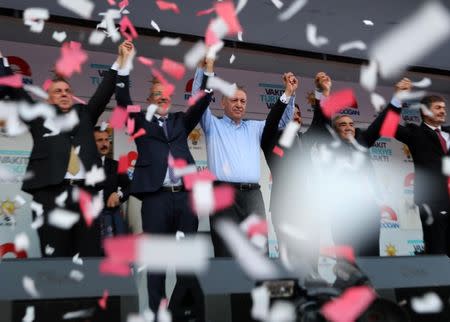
<point>49,157</point>
<point>153,147</point>
<point>430,185</point>
<point>115,180</point>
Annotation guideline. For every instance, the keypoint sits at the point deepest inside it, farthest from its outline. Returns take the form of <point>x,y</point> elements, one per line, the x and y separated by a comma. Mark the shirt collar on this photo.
<point>231,122</point>
<point>433,127</point>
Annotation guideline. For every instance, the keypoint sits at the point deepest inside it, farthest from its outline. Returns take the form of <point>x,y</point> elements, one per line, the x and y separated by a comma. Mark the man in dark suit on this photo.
<point>59,164</point>
<point>165,202</point>
<point>115,188</point>
<point>429,144</point>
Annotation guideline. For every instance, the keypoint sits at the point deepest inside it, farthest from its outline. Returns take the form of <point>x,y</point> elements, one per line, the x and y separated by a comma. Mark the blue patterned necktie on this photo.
<point>163,121</point>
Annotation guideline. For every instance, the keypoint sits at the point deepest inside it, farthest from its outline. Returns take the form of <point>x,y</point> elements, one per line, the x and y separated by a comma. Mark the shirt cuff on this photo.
<point>5,62</point>
<point>318,95</point>
<point>208,74</point>
<point>115,66</point>
<point>120,194</point>
<point>284,98</point>
<point>396,102</point>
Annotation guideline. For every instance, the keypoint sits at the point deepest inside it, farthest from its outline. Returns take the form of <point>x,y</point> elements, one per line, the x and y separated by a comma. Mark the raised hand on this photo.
<point>290,83</point>
<point>126,52</point>
<point>323,83</point>
<point>404,85</point>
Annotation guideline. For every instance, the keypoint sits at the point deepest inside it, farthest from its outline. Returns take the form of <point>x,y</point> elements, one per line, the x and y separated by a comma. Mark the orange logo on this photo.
<point>390,250</point>
<point>195,136</point>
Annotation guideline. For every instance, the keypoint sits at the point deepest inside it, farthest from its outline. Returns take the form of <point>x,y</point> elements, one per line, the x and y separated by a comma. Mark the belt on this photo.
<point>74,182</point>
<point>242,186</point>
<point>179,188</point>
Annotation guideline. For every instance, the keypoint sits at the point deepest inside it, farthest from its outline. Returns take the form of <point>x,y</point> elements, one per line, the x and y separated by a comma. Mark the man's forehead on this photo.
<point>240,94</point>
<point>344,120</point>
<point>59,84</point>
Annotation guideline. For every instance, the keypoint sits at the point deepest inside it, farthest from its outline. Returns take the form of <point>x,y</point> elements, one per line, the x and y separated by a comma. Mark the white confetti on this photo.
<point>239,36</point>
<point>29,287</point>
<point>168,41</point>
<point>195,55</point>
<point>19,200</point>
<point>78,314</point>
<point>94,176</point>
<point>261,302</point>
<point>378,101</point>
<point>36,90</point>
<point>368,76</point>
<point>282,311</point>
<point>82,8</point>
<point>103,126</point>
<point>412,40</point>
<point>188,255</point>
<point>232,58</point>
<point>29,112</point>
<point>181,172</point>
<point>164,314</point>
<point>289,134</point>
<point>357,44</point>
<point>229,90</point>
<point>214,49</point>
<point>155,26</point>
<point>429,221</point>
<point>179,235</point>
<point>108,24</point>
<point>60,200</point>
<point>368,22</point>
<point>96,37</point>
<point>295,7</point>
<point>429,303</point>
<point>38,222</point>
<point>49,250</point>
<point>203,196</point>
<point>59,36</point>
<point>63,219</point>
<point>446,166</point>
<point>29,314</point>
<point>21,242</point>
<point>151,109</point>
<point>240,6</point>
<point>278,4</point>
<point>313,39</point>
<point>408,96</point>
<point>76,275</point>
<point>251,261</point>
<point>423,83</point>
<point>35,18</point>
<point>76,259</point>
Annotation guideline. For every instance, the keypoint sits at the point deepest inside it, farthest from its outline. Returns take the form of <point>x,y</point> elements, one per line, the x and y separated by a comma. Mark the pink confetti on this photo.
<point>79,100</point>
<point>223,196</point>
<point>85,203</point>
<point>102,301</point>
<point>126,24</point>
<point>122,248</point>
<point>340,252</point>
<point>12,81</point>
<point>210,36</point>
<point>205,12</point>
<point>123,4</point>
<point>168,87</point>
<point>112,2</point>
<point>191,178</point>
<point>259,228</point>
<point>123,164</point>
<point>108,267</point>
<point>118,118</point>
<point>338,101</point>
<point>278,151</point>
<point>173,68</point>
<point>47,84</point>
<point>350,305</point>
<point>390,124</point>
<point>130,125</point>
<point>164,5</point>
<point>145,61</point>
<point>194,98</point>
<point>133,108</point>
<point>177,163</point>
<point>139,133</point>
<point>227,12</point>
<point>72,57</point>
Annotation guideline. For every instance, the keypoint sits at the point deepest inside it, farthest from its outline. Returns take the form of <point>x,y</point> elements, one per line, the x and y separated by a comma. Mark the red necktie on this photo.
<point>442,140</point>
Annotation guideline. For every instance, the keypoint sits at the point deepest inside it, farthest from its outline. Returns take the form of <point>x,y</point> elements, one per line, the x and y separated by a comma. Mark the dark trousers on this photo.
<point>112,223</point>
<point>165,213</point>
<point>245,203</point>
<point>66,243</point>
<point>436,234</point>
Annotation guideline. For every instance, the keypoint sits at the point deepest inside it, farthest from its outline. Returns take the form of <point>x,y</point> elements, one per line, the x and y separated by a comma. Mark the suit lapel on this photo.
<point>433,136</point>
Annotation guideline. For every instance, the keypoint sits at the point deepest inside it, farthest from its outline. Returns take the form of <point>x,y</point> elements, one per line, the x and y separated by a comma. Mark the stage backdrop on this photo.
<point>400,233</point>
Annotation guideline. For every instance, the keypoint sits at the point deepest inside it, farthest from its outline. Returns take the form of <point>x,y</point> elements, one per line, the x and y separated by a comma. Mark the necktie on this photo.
<point>442,140</point>
<point>163,121</point>
<point>74,162</point>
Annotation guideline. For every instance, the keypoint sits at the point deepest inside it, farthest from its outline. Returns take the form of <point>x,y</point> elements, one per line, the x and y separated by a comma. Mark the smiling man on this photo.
<point>233,149</point>
<point>429,144</point>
